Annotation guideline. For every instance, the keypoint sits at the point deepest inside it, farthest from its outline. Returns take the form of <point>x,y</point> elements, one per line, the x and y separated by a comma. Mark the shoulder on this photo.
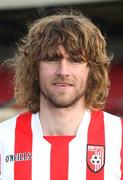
<point>7,126</point>
<point>7,129</point>
<point>110,117</point>
<point>113,124</point>
<point>112,120</point>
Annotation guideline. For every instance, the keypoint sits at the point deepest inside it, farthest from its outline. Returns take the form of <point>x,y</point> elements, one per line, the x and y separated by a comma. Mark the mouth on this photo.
<point>62,84</point>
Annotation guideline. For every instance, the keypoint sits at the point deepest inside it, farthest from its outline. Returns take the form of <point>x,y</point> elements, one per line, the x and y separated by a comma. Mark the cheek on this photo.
<point>45,77</point>
<point>46,71</point>
<point>86,75</point>
<point>42,72</point>
<point>82,75</point>
<point>42,77</point>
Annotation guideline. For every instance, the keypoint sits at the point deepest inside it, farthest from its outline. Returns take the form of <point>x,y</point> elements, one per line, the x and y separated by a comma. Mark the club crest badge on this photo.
<point>95,157</point>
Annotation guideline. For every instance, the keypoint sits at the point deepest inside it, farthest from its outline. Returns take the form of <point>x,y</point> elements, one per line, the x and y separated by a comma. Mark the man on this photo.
<point>61,77</point>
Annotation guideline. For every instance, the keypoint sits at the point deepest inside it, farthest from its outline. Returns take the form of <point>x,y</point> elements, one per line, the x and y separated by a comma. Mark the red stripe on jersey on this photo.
<point>96,140</point>
<point>59,156</point>
<point>23,148</point>
<point>122,152</point>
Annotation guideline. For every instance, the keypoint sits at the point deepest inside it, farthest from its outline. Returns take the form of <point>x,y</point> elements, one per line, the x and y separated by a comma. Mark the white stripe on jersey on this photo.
<point>7,134</point>
<point>40,151</point>
<point>113,134</point>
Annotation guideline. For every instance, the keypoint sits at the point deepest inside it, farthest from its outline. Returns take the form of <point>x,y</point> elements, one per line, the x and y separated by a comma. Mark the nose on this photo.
<point>63,68</point>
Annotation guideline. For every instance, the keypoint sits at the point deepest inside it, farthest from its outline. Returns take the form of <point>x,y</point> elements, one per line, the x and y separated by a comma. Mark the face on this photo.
<point>62,80</point>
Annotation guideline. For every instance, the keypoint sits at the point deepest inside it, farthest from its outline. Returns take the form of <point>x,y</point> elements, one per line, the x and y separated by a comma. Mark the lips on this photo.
<point>62,84</point>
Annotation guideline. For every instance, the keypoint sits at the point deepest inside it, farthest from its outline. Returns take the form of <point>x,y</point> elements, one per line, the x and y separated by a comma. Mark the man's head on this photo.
<point>82,41</point>
<point>63,80</point>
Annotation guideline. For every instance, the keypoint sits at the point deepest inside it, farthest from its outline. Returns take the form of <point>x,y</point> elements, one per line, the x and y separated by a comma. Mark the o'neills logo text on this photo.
<point>18,157</point>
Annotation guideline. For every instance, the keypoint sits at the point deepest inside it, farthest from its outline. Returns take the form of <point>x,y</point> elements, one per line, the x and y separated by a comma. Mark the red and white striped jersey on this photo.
<point>95,153</point>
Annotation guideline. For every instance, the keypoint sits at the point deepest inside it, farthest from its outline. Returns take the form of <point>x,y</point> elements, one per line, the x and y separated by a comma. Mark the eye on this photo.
<point>75,60</point>
<point>53,59</point>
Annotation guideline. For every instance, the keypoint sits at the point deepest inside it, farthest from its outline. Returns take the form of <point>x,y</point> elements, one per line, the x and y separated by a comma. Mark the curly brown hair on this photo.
<point>80,37</point>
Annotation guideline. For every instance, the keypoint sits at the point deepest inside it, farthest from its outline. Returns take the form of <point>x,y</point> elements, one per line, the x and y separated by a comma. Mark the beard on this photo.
<point>63,99</point>
<point>61,102</point>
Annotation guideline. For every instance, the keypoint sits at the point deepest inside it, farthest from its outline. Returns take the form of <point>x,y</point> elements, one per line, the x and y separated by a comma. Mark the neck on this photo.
<point>60,121</point>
